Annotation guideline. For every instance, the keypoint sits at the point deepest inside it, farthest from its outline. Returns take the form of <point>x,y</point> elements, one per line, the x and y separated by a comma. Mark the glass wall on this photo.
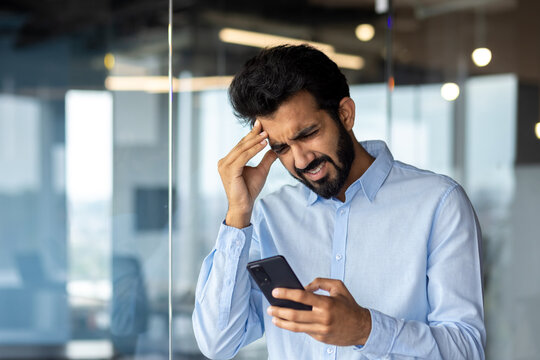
<point>451,86</point>
<point>83,185</point>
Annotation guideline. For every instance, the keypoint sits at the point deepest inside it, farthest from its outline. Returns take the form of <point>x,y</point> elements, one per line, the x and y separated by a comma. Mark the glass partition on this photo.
<point>83,185</point>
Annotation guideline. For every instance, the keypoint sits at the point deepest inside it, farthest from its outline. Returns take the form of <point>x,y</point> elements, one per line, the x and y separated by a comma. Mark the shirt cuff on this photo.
<point>383,333</point>
<point>233,241</point>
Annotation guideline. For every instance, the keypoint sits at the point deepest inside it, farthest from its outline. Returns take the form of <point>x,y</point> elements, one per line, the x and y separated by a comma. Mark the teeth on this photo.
<point>314,171</point>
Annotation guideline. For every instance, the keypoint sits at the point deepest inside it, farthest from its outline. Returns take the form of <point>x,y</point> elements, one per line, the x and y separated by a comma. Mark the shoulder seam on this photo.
<point>439,207</point>
<point>451,182</point>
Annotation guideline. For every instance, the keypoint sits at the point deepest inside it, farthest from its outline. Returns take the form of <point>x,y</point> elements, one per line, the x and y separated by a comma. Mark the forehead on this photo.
<point>298,112</point>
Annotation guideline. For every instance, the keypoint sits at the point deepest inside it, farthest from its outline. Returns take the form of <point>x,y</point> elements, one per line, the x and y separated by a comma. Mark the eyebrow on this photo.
<point>300,134</point>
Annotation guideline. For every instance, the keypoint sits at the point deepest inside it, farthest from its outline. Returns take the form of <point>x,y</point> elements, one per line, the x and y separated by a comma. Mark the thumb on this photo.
<point>267,161</point>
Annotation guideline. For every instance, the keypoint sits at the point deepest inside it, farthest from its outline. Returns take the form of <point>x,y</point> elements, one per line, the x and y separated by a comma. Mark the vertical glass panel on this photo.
<point>83,180</point>
<point>33,261</point>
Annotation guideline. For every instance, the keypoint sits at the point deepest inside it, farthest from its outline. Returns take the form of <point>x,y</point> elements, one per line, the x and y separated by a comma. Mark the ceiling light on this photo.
<point>347,61</point>
<point>261,40</point>
<point>160,84</point>
<point>537,130</point>
<point>109,61</point>
<point>481,56</point>
<point>450,91</point>
<point>365,32</point>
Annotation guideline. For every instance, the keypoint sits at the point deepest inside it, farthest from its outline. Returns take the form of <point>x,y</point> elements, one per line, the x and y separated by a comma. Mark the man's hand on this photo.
<point>336,319</point>
<point>244,183</point>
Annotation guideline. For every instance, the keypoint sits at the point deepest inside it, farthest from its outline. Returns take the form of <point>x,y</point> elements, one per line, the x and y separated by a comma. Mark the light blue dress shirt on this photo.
<point>406,243</point>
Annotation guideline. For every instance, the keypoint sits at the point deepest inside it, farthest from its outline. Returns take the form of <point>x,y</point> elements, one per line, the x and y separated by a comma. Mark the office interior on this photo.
<point>113,115</point>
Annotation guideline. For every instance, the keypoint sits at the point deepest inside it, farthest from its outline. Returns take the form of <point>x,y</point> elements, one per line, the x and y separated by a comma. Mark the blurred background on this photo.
<point>451,85</point>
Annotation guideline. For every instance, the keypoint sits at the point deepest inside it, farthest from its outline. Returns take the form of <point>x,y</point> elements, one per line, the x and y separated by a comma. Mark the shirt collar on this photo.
<point>372,180</point>
<point>374,177</point>
<point>311,196</point>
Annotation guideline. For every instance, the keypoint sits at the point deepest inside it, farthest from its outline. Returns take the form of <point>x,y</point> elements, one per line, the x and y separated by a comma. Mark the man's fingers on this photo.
<point>267,160</point>
<point>301,316</point>
<point>333,286</point>
<point>308,328</point>
<point>257,126</point>
<point>247,143</point>
<point>300,296</point>
<point>245,150</point>
<point>247,147</point>
<point>243,157</point>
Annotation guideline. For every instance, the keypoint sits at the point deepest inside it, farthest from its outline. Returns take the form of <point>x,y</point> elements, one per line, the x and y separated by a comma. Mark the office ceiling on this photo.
<point>427,33</point>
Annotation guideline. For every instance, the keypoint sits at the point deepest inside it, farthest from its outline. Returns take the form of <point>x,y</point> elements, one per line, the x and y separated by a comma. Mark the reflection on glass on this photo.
<point>33,264</point>
<point>82,175</point>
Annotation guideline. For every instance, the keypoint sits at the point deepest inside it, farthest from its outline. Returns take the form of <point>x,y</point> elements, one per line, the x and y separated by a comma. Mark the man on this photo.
<point>390,252</point>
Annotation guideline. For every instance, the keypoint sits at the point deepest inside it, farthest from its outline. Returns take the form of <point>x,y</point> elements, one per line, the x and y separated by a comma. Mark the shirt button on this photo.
<point>338,257</point>
<point>341,212</point>
<point>330,350</point>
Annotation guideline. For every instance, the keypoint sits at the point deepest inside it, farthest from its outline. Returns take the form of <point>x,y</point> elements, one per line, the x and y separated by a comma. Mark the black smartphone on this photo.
<point>276,272</point>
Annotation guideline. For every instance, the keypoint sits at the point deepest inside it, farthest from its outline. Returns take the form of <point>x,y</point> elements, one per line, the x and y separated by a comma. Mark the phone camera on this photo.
<point>261,275</point>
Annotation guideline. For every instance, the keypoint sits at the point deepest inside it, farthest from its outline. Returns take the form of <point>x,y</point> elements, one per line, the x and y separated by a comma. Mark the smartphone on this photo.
<point>276,272</point>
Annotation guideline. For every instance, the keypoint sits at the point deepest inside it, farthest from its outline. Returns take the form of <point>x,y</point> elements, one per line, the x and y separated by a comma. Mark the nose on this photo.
<point>301,156</point>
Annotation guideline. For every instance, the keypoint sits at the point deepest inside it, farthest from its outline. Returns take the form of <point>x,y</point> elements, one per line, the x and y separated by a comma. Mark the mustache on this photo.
<point>314,164</point>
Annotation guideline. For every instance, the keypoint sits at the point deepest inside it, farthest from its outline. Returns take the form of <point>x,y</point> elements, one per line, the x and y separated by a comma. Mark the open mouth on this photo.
<point>316,170</point>
<point>316,173</point>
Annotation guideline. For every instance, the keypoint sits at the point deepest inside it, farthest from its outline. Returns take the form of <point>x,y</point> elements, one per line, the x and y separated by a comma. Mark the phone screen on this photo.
<point>276,272</point>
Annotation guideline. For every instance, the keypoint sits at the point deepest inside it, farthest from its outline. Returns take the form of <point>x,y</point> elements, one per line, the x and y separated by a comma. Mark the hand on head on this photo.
<point>244,183</point>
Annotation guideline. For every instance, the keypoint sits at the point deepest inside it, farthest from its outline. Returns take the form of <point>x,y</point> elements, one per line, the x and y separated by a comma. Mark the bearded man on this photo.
<point>391,252</point>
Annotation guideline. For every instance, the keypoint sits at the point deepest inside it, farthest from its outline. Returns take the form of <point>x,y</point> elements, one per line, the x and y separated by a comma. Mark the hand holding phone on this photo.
<point>274,272</point>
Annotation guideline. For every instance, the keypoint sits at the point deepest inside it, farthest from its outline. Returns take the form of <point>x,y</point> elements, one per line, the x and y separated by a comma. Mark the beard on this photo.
<point>329,187</point>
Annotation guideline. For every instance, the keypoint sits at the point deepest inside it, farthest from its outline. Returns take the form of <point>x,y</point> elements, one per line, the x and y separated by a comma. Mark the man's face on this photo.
<point>312,146</point>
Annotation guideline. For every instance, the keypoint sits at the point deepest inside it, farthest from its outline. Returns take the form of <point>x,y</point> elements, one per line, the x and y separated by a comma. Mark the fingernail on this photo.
<point>275,292</point>
<point>263,133</point>
<point>256,123</point>
<point>269,310</point>
<point>263,142</point>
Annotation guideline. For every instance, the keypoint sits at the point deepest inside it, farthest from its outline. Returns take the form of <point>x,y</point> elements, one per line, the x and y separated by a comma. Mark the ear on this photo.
<point>347,112</point>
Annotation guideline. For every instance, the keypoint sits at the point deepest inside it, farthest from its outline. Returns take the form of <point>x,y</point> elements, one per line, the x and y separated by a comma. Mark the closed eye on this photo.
<point>281,149</point>
<point>310,135</point>
<point>303,135</point>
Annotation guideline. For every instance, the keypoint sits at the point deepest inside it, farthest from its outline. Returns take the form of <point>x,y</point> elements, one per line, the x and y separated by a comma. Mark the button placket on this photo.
<point>339,243</point>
